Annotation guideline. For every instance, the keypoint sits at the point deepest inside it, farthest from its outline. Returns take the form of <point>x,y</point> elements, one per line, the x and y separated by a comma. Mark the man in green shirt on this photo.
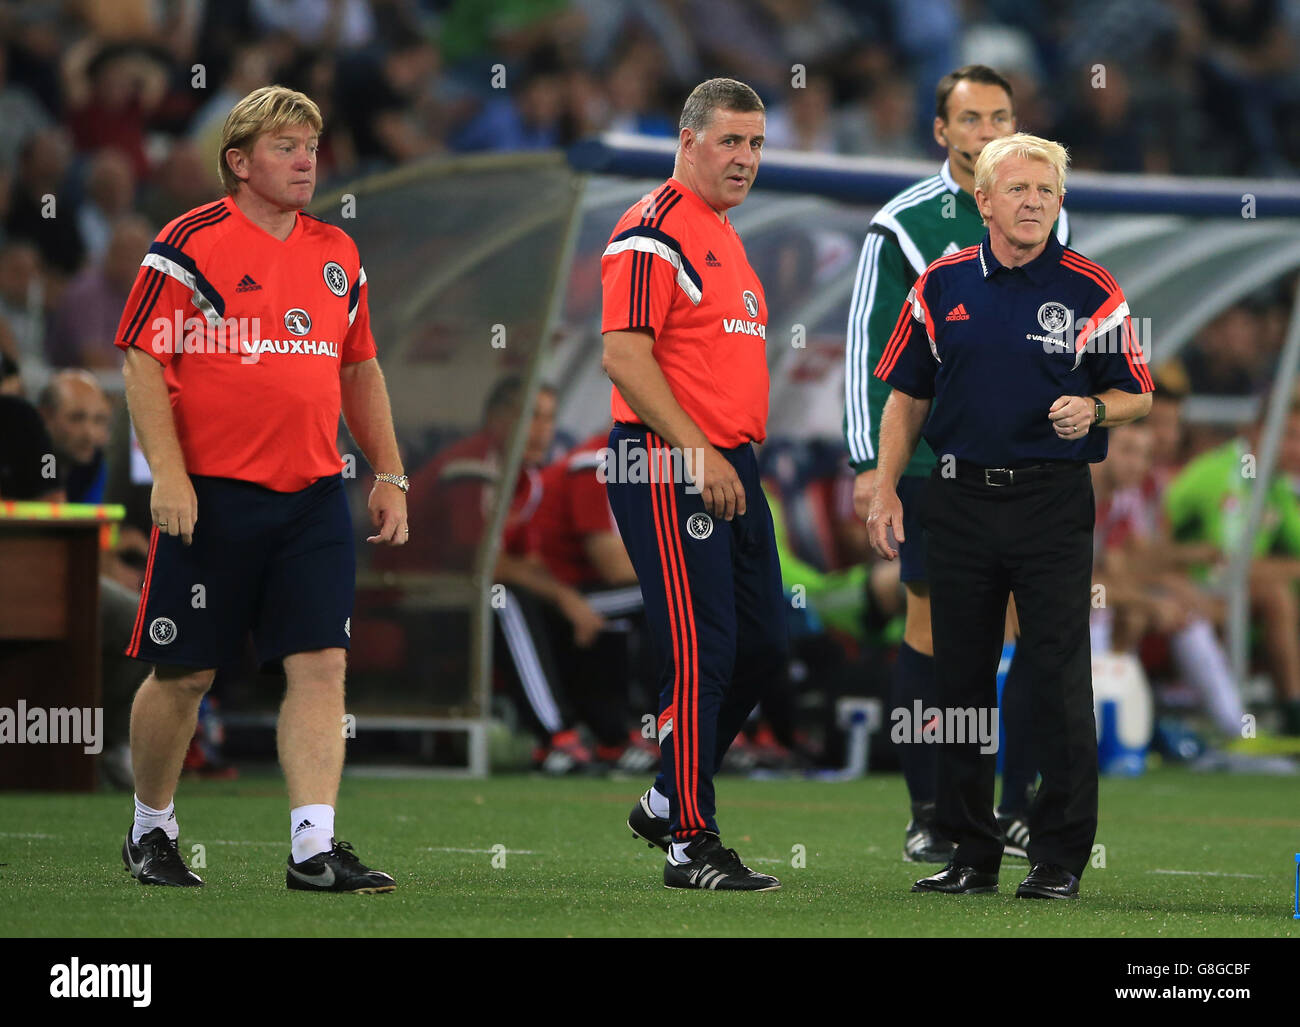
<point>933,218</point>
<point>1207,502</point>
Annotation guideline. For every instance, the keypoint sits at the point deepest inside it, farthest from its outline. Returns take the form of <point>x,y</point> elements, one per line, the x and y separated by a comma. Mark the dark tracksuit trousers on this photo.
<point>1033,538</point>
<point>716,613</point>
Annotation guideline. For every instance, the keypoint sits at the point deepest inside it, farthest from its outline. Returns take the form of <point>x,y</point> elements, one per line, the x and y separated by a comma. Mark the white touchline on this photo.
<point>483,852</point>
<point>1205,873</point>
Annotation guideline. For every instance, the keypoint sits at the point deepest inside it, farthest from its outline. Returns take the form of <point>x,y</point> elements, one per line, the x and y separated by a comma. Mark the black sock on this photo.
<point>1019,765</point>
<point>914,679</point>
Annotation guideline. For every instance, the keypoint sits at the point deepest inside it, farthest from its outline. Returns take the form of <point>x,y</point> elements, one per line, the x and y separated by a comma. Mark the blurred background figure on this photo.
<point>88,310</point>
<point>76,414</point>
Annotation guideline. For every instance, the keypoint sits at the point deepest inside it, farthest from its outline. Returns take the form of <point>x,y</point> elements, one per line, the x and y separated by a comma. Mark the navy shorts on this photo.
<point>279,564</point>
<point>911,554</point>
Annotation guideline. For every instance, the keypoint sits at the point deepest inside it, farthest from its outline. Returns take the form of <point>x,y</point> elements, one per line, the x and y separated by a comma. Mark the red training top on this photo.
<point>453,496</point>
<point>574,505</point>
<point>673,268</point>
<point>252,332</point>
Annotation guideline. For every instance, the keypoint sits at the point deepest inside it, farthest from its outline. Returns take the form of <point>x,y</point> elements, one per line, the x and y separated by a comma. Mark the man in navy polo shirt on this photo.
<point>1023,348</point>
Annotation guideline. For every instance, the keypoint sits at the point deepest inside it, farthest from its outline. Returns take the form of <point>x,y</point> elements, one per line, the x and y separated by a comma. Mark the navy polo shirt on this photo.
<point>996,346</point>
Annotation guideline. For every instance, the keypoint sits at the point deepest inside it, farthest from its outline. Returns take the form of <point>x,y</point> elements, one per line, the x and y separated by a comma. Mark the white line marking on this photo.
<point>1205,873</point>
<point>24,834</point>
<point>223,841</point>
<point>482,852</point>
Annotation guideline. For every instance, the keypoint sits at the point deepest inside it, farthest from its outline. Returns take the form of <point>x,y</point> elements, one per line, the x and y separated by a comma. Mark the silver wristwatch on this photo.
<point>400,480</point>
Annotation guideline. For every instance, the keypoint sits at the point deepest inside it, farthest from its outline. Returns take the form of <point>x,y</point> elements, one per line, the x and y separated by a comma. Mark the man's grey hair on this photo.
<point>717,94</point>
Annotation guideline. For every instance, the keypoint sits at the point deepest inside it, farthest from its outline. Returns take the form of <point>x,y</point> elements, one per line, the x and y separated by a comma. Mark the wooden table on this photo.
<point>50,642</point>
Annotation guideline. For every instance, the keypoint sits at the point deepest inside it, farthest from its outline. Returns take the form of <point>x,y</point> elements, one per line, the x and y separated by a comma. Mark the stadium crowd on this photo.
<point>110,111</point>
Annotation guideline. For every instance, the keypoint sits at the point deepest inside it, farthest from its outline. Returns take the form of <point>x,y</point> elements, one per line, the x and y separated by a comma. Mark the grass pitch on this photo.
<point>1186,855</point>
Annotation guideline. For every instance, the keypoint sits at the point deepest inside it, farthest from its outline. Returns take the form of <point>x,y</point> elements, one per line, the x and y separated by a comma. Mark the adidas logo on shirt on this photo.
<point>958,313</point>
<point>711,261</point>
<point>246,284</point>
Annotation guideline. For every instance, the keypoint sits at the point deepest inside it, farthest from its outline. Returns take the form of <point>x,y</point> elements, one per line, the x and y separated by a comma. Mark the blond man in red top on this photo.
<point>246,334</point>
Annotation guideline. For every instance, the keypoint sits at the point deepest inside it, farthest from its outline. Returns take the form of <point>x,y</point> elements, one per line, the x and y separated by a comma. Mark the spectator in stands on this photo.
<point>383,101</point>
<point>252,69</point>
<point>1249,56</point>
<point>110,194</point>
<point>26,466</point>
<point>41,207</point>
<point>332,24</point>
<point>1207,503</point>
<point>21,115</point>
<point>76,413</point>
<point>22,308</point>
<point>530,116</point>
<point>805,120</point>
<point>86,316</point>
<point>185,179</point>
<point>882,123</point>
<point>1100,127</point>
<point>112,92</point>
<point>1224,359</point>
<point>632,86</point>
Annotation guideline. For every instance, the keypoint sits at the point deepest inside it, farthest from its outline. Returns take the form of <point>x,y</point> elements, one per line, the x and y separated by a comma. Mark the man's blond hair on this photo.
<point>263,110</point>
<point>1024,146</point>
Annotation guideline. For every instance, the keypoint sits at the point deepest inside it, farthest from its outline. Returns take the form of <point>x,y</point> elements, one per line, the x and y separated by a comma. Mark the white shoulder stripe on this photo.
<point>352,310</point>
<point>913,195</point>
<point>644,244</point>
<point>1115,317</point>
<point>173,270</point>
<point>910,250</point>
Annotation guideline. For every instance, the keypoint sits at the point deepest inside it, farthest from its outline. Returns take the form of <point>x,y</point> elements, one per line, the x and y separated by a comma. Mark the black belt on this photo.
<point>999,476</point>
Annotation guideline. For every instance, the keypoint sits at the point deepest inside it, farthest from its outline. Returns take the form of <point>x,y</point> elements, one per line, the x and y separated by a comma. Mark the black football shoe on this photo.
<point>649,828</point>
<point>710,866</point>
<point>1015,835</point>
<point>157,860</point>
<point>923,843</point>
<point>339,869</point>
<point>1048,881</point>
<point>959,880</point>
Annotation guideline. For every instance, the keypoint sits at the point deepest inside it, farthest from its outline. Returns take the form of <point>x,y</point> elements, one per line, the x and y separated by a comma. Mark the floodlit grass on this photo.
<point>1185,855</point>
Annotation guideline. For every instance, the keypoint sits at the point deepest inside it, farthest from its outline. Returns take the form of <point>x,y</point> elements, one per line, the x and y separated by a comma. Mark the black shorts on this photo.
<point>911,554</point>
<point>281,564</point>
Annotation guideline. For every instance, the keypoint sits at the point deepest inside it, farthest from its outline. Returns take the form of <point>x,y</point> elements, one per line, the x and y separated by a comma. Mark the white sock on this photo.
<point>1201,660</point>
<point>678,854</point>
<point>311,830</point>
<point>659,804</point>
<point>147,818</point>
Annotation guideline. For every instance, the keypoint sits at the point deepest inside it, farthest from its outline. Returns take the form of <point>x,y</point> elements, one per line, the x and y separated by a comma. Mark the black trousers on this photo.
<point>1033,538</point>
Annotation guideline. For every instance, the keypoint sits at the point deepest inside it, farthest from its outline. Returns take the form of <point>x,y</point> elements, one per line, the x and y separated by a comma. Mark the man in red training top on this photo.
<point>685,324</point>
<point>246,334</point>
